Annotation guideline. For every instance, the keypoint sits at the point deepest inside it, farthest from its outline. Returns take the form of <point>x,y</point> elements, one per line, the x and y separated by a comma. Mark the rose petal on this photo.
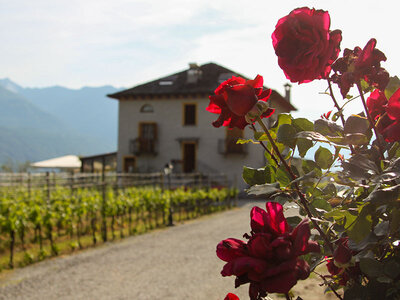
<point>276,219</point>
<point>230,249</point>
<point>393,107</point>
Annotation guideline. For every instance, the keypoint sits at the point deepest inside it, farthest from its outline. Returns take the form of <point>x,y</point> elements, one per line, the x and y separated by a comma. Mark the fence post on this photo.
<point>48,187</point>
<point>29,185</point>
<point>103,209</point>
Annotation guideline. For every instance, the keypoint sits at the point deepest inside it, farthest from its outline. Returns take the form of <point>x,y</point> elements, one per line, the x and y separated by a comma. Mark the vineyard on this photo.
<point>48,215</point>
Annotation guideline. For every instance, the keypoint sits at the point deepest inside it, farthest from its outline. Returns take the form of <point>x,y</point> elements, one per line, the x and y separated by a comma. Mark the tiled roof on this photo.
<point>211,75</point>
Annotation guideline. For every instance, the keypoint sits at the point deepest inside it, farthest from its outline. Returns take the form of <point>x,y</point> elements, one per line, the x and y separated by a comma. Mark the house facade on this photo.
<point>165,121</point>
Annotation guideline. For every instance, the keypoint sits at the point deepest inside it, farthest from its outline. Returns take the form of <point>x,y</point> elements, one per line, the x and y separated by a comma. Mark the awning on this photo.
<point>63,162</point>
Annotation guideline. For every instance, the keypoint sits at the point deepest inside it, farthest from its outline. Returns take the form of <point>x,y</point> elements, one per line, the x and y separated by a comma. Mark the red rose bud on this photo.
<point>305,46</point>
<point>269,261</point>
<point>235,98</point>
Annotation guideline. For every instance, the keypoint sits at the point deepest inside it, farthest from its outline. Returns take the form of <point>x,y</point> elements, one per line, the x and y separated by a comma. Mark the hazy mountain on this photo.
<point>86,110</point>
<point>10,85</point>
<point>38,124</point>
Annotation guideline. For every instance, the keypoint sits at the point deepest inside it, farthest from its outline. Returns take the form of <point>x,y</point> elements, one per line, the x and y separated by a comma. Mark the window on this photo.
<point>147,137</point>
<point>189,114</point>
<point>146,108</point>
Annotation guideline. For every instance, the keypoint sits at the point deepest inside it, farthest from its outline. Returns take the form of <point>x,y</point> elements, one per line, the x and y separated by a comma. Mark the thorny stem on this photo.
<point>303,200</point>
<point>265,148</point>
<point>338,108</point>
<point>371,121</point>
<point>330,286</point>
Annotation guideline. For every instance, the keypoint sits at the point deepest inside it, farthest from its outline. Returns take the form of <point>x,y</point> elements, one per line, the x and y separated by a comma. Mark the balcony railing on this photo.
<point>229,146</point>
<point>141,146</point>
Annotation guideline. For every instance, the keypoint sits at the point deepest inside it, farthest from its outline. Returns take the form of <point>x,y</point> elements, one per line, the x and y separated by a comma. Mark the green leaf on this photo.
<point>395,220</point>
<point>356,292</point>
<point>281,198</point>
<point>326,127</point>
<point>392,269</point>
<point>306,177</point>
<point>360,167</point>
<point>384,196</point>
<point>310,165</point>
<point>284,119</point>
<point>394,151</point>
<point>360,229</point>
<point>264,189</point>
<point>254,176</point>
<point>243,141</point>
<point>286,135</point>
<point>382,228</point>
<point>303,124</point>
<point>303,145</point>
<point>356,139</point>
<point>283,177</point>
<point>260,136</point>
<point>371,267</point>
<point>393,85</point>
<point>356,124</point>
<point>312,136</point>
<point>294,221</point>
<point>321,204</point>
<point>323,157</point>
<point>365,85</point>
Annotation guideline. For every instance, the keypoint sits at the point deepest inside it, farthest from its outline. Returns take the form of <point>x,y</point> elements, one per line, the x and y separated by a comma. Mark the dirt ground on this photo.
<point>173,263</point>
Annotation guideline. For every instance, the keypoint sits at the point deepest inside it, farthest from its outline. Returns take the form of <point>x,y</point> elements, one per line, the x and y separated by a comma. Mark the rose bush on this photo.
<point>269,260</point>
<point>350,191</point>
<point>305,46</point>
<point>234,98</point>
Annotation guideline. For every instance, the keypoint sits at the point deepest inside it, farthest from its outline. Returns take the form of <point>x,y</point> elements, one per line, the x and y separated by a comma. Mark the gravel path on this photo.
<point>173,263</point>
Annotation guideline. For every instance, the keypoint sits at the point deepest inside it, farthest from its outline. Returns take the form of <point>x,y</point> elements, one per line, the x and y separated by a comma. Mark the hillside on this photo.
<point>86,110</point>
<point>37,124</point>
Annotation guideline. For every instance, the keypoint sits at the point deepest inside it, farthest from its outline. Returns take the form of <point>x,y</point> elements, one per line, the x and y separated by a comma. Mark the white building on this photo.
<point>165,120</point>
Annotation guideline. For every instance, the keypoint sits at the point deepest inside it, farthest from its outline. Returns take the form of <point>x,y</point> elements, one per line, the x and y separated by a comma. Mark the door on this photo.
<point>189,156</point>
<point>129,164</point>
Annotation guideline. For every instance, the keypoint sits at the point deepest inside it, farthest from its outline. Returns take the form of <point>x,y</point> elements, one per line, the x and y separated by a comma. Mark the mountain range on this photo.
<point>42,123</point>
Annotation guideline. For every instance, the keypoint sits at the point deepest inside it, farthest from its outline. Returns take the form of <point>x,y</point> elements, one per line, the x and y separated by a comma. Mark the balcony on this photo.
<point>141,146</point>
<point>229,146</point>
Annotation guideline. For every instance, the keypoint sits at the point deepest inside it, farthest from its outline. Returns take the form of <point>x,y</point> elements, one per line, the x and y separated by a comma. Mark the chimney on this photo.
<point>193,74</point>
<point>288,87</point>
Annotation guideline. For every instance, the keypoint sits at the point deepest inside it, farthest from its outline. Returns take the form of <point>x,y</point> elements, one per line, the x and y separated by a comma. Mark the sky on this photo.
<point>125,43</point>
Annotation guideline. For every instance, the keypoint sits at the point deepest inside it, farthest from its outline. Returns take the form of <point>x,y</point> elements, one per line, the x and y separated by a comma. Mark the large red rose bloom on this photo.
<point>305,46</point>
<point>269,261</point>
<point>234,98</point>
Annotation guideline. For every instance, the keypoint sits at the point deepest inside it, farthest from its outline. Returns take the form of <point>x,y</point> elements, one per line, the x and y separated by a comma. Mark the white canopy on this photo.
<point>62,162</point>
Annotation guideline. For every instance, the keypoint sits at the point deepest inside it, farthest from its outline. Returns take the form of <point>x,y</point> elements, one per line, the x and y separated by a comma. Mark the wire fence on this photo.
<point>50,180</point>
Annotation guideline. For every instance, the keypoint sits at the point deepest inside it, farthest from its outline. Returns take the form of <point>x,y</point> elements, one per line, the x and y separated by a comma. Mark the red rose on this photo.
<point>231,296</point>
<point>360,64</point>
<point>269,261</point>
<point>387,114</point>
<point>234,98</point>
<point>305,46</point>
